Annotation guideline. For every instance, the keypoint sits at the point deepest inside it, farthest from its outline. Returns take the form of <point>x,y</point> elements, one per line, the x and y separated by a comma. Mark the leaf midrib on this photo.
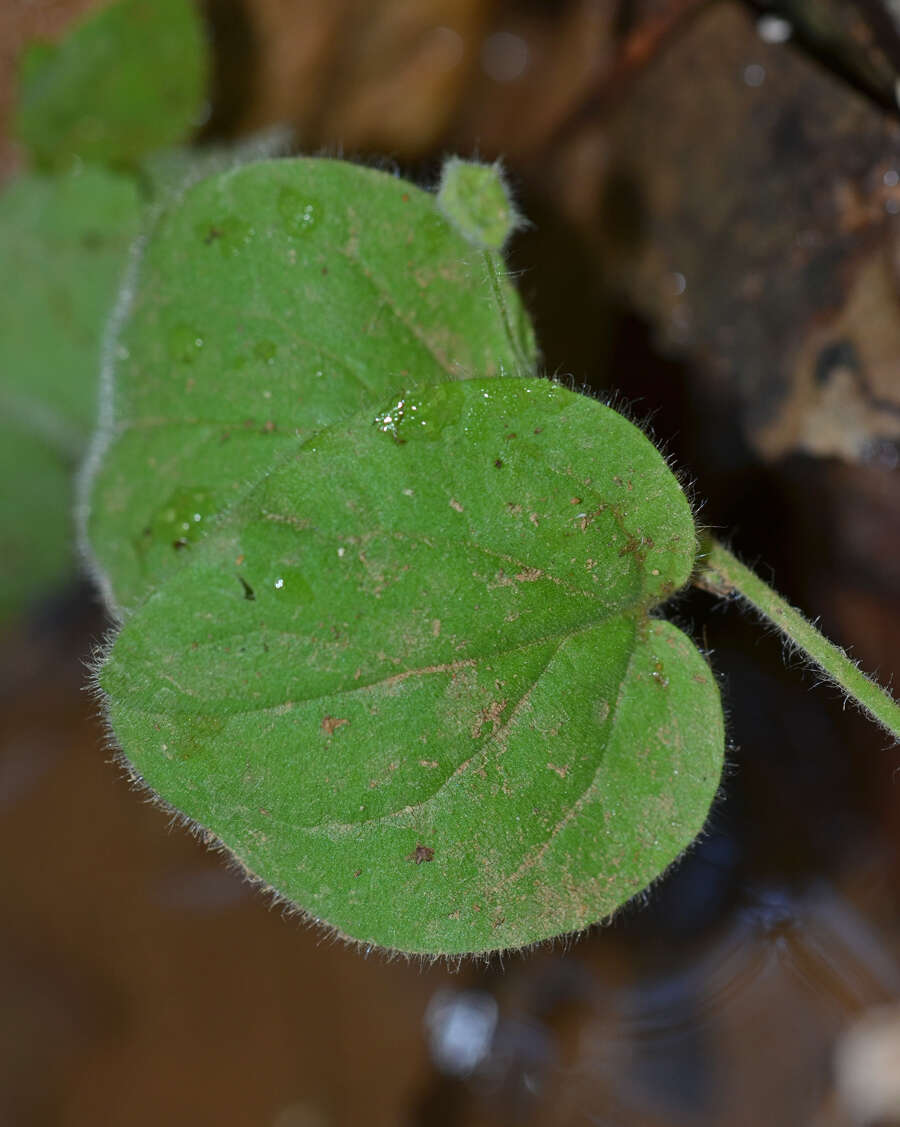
<point>636,605</point>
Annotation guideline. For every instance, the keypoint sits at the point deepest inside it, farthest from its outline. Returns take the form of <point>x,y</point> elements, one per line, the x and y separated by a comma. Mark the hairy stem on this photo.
<point>723,574</point>
<point>494,266</point>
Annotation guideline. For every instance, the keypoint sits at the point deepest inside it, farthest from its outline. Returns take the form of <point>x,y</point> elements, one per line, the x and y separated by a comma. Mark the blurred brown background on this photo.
<point>714,189</point>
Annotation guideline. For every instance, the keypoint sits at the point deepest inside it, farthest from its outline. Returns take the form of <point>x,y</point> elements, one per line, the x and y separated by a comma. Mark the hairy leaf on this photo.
<point>125,81</point>
<point>63,246</point>
<point>475,200</point>
<point>276,299</point>
<point>411,679</point>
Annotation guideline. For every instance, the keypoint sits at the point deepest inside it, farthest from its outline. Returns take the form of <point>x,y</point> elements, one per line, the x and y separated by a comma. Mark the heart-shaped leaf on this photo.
<point>276,299</point>
<point>412,681</point>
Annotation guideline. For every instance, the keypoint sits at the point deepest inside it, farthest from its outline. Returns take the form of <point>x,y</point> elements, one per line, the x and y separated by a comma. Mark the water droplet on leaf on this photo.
<point>265,350</point>
<point>179,521</point>
<point>229,233</point>
<point>299,212</point>
<point>184,342</point>
<point>422,417</point>
<point>290,586</point>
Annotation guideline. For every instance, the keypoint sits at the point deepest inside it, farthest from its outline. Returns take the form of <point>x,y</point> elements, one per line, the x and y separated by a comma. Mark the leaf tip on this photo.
<point>476,200</point>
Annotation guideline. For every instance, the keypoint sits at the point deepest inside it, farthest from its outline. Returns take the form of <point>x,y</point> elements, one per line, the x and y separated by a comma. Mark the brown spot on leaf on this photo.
<point>588,518</point>
<point>528,575</point>
<point>455,505</point>
<point>490,715</point>
<point>636,546</point>
<point>421,853</point>
<point>330,723</point>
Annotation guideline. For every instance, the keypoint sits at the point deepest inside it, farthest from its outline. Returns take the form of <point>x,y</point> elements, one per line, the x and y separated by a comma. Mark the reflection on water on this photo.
<point>741,1031</point>
<point>460,1027</point>
<point>867,1066</point>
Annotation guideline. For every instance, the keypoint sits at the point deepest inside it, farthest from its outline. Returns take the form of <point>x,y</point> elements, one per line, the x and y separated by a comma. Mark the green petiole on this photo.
<point>722,573</point>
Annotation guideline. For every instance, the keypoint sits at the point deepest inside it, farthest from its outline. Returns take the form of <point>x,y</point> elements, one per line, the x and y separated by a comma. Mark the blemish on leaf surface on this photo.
<point>331,723</point>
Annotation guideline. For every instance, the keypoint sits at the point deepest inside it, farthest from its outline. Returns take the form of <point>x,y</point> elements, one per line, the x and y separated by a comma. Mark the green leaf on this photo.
<point>475,200</point>
<point>35,515</point>
<point>411,679</point>
<point>274,300</point>
<point>125,81</point>
<point>63,247</point>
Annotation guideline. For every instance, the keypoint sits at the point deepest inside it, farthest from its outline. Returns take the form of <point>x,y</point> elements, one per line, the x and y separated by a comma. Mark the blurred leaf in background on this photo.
<point>63,242</point>
<point>123,83</point>
<point>126,81</point>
